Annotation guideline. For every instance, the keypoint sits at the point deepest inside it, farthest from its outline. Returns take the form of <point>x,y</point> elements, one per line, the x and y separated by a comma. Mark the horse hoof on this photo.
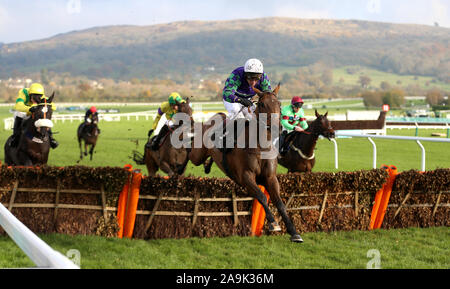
<point>296,238</point>
<point>274,227</point>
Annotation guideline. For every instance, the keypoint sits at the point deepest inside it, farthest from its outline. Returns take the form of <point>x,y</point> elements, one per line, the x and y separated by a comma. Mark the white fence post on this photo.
<point>423,154</point>
<point>395,137</point>
<point>336,158</point>
<point>374,152</point>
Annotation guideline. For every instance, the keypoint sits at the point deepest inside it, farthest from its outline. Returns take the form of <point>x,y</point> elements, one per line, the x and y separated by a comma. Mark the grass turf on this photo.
<point>399,249</point>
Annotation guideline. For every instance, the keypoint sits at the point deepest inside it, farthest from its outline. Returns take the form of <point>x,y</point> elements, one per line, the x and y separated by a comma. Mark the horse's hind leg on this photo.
<point>208,164</point>
<point>152,166</point>
<point>272,186</point>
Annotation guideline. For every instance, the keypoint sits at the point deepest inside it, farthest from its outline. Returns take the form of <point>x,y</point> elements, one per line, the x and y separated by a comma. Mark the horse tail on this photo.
<point>138,158</point>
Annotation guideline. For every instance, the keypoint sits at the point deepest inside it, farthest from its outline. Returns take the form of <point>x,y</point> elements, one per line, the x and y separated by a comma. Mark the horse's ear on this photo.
<point>317,114</point>
<point>258,92</point>
<point>325,115</point>
<point>277,88</point>
<point>50,99</point>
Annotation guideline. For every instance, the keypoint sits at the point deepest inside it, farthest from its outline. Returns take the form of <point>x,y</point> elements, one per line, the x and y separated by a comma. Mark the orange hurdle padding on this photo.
<point>132,203</point>
<point>386,195</point>
<point>258,214</point>
<point>122,206</point>
<point>377,202</point>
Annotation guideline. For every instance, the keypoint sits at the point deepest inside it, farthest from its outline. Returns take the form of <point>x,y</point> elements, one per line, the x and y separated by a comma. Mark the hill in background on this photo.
<point>194,47</point>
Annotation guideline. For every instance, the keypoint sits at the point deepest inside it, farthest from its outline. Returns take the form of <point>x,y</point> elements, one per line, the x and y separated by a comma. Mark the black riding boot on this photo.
<point>17,130</point>
<point>53,142</point>
<point>155,144</point>
<point>282,143</point>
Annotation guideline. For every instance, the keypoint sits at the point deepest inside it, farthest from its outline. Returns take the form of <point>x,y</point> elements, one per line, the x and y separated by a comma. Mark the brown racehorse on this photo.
<point>300,157</point>
<point>34,144</point>
<point>169,159</point>
<point>248,168</point>
<point>88,132</point>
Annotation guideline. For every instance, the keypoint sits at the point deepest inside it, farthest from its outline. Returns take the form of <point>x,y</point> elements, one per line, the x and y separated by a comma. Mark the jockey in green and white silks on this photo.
<point>292,118</point>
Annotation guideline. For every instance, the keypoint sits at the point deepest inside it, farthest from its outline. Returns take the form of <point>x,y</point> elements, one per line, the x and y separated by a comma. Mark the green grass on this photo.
<point>407,248</point>
<point>378,76</point>
<point>399,249</point>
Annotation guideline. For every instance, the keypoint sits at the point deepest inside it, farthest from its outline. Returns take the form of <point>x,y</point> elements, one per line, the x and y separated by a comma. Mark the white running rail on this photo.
<point>36,249</point>
<point>395,137</point>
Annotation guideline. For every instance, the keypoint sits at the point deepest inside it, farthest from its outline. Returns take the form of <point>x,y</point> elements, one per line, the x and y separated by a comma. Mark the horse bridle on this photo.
<point>316,134</point>
<point>256,103</point>
<point>42,122</point>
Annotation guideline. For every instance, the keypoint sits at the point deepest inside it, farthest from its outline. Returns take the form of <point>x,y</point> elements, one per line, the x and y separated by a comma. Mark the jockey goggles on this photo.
<point>253,76</point>
<point>298,104</point>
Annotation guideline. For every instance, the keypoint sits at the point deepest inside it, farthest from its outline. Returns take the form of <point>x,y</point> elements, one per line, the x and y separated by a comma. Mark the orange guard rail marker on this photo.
<point>122,206</point>
<point>377,202</point>
<point>386,195</point>
<point>258,214</point>
<point>132,204</point>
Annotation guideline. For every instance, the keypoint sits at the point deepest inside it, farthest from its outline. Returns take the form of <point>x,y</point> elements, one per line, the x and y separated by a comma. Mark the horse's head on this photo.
<point>42,114</point>
<point>184,115</point>
<point>95,118</point>
<point>185,107</point>
<point>269,104</point>
<point>322,126</point>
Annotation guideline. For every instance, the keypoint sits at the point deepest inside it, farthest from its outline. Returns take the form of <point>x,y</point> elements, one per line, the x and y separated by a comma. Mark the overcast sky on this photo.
<point>22,20</point>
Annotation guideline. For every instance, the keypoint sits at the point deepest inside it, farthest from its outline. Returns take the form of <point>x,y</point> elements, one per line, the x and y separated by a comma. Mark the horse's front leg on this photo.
<point>150,162</point>
<point>32,155</point>
<point>182,167</point>
<point>249,183</point>
<point>91,151</point>
<point>81,150</point>
<point>273,188</point>
<point>198,155</point>
<point>85,148</point>
<point>24,159</point>
<point>207,165</point>
<point>165,167</point>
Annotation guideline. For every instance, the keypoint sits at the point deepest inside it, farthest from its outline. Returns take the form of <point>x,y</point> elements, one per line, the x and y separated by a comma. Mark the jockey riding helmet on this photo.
<point>36,88</point>
<point>175,98</point>
<point>253,65</point>
<point>297,101</point>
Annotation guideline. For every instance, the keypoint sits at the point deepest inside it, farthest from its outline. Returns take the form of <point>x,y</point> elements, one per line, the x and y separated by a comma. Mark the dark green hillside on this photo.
<point>188,47</point>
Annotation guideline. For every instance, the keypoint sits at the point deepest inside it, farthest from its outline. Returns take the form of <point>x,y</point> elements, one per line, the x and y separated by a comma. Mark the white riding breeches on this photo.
<point>169,123</point>
<point>234,110</point>
<point>22,115</point>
